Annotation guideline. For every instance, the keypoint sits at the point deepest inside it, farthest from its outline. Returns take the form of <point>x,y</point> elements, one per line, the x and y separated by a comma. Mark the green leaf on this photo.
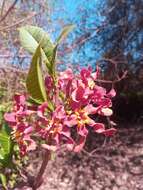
<point>31,36</point>
<point>3,180</point>
<point>66,30</point>
<point>5,148</point>
<point>1,154</point>
<point>5,143</point>
<point>34,82</point>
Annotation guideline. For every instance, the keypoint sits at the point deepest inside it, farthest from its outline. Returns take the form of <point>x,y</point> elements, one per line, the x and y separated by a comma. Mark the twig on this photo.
<point>12,55</point>
<point>5,68</point>
<point>113,82</point>
<point>8,11</point>
<point>91,154</point>
<point>113,61</point>
<point>2,7</point>
<point>18,22</point>
<point>38,179</point>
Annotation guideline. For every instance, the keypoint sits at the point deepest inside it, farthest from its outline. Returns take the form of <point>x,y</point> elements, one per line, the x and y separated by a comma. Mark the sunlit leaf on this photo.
<point>31,36</point>
<point>66,30</point>
<point>35,83</point>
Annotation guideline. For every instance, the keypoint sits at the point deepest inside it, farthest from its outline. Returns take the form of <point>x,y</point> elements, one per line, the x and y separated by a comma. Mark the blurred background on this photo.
<point>108,33</point>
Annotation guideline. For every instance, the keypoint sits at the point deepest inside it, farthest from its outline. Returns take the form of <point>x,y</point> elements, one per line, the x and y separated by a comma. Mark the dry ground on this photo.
<point>118,165</point>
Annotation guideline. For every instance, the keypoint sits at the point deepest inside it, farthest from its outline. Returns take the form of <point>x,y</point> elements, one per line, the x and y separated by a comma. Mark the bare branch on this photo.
<point>18,22</point>
<point>11,68</point>
<point>113,82</point>
<point>2,7</point>
<point>8,11</point>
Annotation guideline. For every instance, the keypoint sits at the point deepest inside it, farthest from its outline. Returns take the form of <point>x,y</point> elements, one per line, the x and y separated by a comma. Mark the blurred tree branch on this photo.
<point>2,7</point>
<point>18,22</point>
<point>8,11</point>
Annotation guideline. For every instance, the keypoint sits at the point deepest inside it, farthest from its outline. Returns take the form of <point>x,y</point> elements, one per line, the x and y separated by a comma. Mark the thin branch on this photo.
<point>115,81</point>
<point>18,22</point>
<point>92,153</point>
<point>4,56</point>
<point>6,68</point>
<point>114,62</point>
<point>39,177</point>
<point>8,11</point>
<point>2,7</point>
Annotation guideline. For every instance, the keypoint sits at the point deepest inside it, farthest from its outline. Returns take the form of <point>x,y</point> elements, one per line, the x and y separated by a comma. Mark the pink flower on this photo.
<point>49,83</point>
<point>75,99</point>
<point>22,129</point>
<point>10,118</point>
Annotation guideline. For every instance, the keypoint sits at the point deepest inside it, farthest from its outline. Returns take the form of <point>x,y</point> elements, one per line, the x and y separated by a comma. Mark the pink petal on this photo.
<point>10,118</point>
<point>31,143</point>
<point>90,109</point>
<point>20,99</point>
<point>96,74</point>
<point>112,123</point>
<point>41,109</point>
<point>69,141</point>
<point>99,127</point>
<point>28,130</point>
<point>59,113</point>
<point>110,132</point>
<point>80,144</point>
<point>105,102</point>
<point>71,121</point>
<point>106,112</point>
<point>77,94</point>
<point>82,130</point>
<point>57,138</point>
<point>68,88</point>
<point>112,93</point>
<point>100,90</point>
<point>67,74</point>
<point>85,74</point>
<point>69,146</point>
<point>48,82</point>
<point>49,147</point>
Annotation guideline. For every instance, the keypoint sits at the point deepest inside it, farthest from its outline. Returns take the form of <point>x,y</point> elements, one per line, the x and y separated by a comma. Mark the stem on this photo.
<point>38,179</point>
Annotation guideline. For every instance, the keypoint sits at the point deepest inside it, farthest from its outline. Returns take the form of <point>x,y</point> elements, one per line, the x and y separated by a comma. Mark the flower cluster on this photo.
<point>75,97</point>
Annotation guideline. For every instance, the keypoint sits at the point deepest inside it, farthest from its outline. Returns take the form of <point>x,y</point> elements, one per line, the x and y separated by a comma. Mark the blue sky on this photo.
<point>73,12</point>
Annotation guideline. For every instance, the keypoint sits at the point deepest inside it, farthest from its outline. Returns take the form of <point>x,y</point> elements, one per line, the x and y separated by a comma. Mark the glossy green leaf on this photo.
<point>34,82</point>
<point>66,30</point>
<point>31,36</point>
